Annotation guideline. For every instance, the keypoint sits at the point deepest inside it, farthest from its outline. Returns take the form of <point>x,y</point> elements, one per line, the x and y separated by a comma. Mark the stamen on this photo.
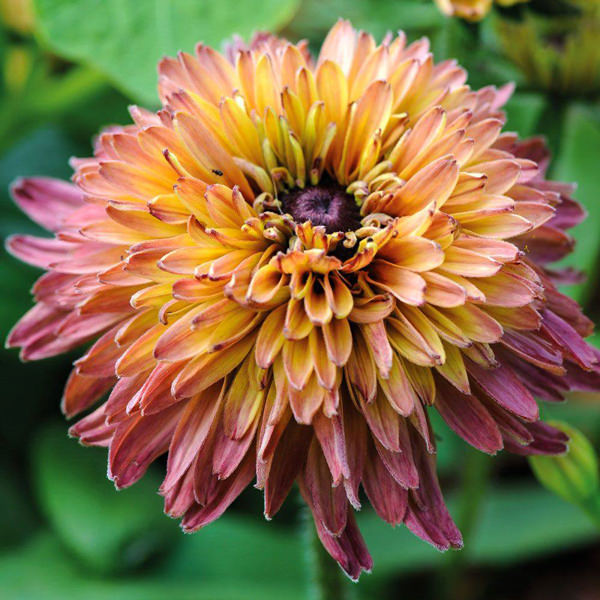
<point>326,204</point>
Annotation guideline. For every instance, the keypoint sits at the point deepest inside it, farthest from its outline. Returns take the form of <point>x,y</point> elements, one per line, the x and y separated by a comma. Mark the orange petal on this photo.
<point>376,337</point>
<point>234,328</point>
<point>270,338</point>
<point>373,309</point>
<point>268,285</point>
<point>416,254</point>
<point>433,183</point>
<point>243,402</point>
<point>338,341</point>
<point>325,370</point>
<point>442,291</point>
<point>454,370</point>
<point>206,369</point>
<point>475,324</point>
<point>306,403</point>
<point>360,369</point>
<point>468,263</point>
<point>398,389</point>
<point>297,324</point>
<point>297,362</point>
<point>140,355</point>
<point>317,304</point>
<point>405,285</point>
<point>338,295</point>
<point>445,327</point>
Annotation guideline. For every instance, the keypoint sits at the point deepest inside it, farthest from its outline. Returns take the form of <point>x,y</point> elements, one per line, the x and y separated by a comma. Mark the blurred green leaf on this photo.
<point>524,523</point>
<point>260,551</point>
<point>106,529</point>
<point>474,51</point>
<point>17,518</point>
<point>581,411</point>
<point>523,112</point>
<point>125,39</point>
<point>43,152</point>
<point>450,447</point>
<point>515,525</point>
<point>46,151</point>
<point>578,162</point>
<point>377,17</point>
<point>42,571</point>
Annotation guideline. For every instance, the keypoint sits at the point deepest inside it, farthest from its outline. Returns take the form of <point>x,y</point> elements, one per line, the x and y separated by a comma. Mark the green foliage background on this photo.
<point>64,531</point>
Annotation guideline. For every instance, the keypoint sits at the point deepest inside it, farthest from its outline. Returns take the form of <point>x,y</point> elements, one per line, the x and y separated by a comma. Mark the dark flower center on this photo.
<point>557,41</point>
<point>326,204</point>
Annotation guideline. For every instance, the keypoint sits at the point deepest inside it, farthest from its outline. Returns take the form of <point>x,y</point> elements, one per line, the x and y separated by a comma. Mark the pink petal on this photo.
<point>46,201</point>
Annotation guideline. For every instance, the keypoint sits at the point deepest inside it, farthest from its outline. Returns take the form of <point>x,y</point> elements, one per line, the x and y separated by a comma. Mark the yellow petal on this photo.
<point>270,338</point>
<point>405,285</point>
<point>454,369</point>
<point>338,341</point>
<point>317,304</point>
<point>414,253</point>
<point>297,362</point>
<point>325,370</point>
<point>297,325</point>
<point>338,295</point>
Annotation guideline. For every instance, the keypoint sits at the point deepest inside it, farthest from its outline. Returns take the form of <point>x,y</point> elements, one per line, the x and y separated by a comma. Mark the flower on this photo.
<point>294,261</point>
<point>471,10</point>
<point>559,55</point>
<point>17,15</point>
<point>589,7</point>
<point>574,476</point>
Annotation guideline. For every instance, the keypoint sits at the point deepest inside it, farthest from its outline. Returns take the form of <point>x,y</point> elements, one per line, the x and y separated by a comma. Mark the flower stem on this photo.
<point>327,582</point>
<point>473,488</point>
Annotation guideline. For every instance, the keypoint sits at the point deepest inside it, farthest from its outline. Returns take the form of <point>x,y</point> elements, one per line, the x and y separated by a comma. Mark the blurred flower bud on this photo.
<point>561,55</point>
<point>471,10</point>
<point>587,6</point>
<point>17,67</point>
<point>510,2</point>
<point>17,15</point>
<point>574,475</point>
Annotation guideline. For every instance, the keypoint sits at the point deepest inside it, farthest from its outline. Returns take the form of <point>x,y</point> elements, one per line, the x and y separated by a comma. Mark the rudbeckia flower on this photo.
<point>472,10</point>
<point>558,55</point>
<point>284,270</point>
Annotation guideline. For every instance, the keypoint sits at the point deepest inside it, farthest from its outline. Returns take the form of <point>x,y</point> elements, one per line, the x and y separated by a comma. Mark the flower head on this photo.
<point>294,261</point>
<point>559,55</point>
<point>472,10</point>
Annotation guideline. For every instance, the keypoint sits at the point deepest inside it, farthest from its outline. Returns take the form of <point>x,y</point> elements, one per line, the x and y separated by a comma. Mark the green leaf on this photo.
<point>450,447</point>
<point>41,570</point>
<point>525,522</point>
<point>578,162</point>
<point>515,524</point>
<point>237,558</point>
<point>476,53</point>
<point>581,410</point>
<point>17,518</point>
<point>46,151</point>
<point>523,112</point>
<point>201,555</point>
<point>377,17</point>
<point>125,39</point>
<point>106,529</point>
